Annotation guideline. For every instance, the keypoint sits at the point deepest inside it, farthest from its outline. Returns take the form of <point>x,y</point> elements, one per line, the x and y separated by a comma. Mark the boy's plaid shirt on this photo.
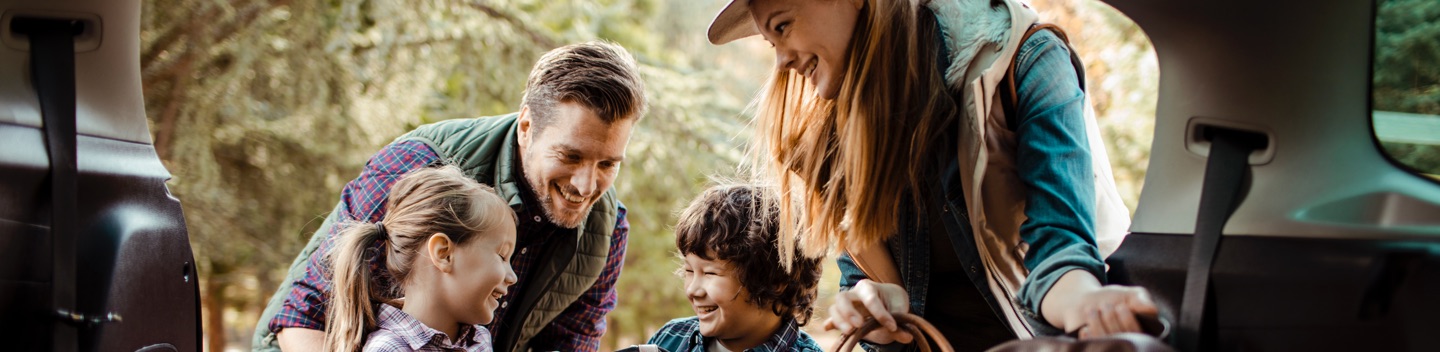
<point>578,328</point>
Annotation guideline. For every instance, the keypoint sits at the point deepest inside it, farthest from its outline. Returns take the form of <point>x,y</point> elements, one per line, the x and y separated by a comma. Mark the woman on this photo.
<point>884,125</point>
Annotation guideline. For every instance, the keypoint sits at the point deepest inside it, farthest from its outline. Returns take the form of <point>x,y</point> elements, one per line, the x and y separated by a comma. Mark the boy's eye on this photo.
<point>780,28</point>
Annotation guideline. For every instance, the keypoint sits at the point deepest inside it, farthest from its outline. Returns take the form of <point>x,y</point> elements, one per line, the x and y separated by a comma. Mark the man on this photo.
<point>554,161</point>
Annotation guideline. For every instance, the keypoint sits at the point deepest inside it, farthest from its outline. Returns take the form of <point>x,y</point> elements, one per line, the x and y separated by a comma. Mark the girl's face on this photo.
<point>480,276</point>
<point>721,303</point>
<point>811,37</point>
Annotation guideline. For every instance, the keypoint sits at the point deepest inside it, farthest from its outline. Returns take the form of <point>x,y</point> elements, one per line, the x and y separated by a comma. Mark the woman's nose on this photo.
<point>784,58</point>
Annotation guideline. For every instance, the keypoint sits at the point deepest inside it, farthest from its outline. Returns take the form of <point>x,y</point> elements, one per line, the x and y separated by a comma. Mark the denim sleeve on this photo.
<point>850,273</point>
<point>1053,161</point>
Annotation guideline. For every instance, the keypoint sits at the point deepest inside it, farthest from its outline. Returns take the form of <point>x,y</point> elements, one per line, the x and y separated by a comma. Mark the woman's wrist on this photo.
<point>1061,306</point>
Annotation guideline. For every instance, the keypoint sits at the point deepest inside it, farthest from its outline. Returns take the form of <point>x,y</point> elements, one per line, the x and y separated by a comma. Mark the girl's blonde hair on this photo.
<point>844,166</point>
<point>422,203</point>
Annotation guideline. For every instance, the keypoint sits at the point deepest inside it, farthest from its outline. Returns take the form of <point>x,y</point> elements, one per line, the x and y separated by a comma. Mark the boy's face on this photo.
<point>720,301</point>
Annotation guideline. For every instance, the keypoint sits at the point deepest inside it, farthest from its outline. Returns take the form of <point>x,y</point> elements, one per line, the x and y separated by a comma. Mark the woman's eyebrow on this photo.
<point>770,18</point>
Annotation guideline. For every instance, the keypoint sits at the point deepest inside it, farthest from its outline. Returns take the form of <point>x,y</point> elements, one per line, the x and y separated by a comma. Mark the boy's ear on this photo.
<point>439,247</point>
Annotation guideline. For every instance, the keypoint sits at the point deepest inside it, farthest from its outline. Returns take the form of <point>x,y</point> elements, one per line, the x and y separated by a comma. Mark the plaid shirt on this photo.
<point>578,328</point>
<point>683,335</point>
<point>400,332</point>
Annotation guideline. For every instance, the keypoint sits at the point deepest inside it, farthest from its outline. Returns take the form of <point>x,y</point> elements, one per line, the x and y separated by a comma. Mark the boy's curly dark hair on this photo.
<point>738,223</point>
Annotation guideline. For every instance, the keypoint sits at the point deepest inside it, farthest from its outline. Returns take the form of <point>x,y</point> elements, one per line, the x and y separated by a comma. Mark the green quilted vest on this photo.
<point>485,148</point>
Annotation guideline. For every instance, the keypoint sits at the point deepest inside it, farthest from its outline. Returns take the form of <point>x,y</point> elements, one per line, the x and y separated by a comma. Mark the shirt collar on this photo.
<point>781,340</point>
<point>417,334</point>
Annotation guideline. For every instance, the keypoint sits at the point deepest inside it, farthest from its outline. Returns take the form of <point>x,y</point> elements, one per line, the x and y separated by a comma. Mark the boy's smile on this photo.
<point>722,304</point>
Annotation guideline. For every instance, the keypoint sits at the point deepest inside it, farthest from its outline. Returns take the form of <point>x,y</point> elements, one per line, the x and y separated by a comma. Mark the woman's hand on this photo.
<point>1113,309</point>
<point>871,299</point>
<point>1096,311</point>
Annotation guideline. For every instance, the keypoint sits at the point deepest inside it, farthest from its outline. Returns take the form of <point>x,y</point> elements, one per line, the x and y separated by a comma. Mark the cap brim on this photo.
<point>733,22</point>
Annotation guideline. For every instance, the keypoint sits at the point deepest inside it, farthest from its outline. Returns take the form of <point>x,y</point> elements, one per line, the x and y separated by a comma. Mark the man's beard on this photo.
<point>546,200</point>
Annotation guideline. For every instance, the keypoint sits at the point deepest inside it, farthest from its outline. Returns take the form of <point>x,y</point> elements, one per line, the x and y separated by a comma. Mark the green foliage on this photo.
<point>1406,76</point>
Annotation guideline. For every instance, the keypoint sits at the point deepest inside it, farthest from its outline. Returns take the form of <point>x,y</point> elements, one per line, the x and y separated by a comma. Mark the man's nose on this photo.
<point>585,181</point>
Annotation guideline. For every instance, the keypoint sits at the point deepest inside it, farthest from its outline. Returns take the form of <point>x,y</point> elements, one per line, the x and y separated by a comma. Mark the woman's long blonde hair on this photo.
<point>845,166</point>
<point>422,203</point>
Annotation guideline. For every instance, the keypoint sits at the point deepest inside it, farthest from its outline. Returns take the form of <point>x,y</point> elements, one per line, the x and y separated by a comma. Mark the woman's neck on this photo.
<point>424,307</point>
<point>757,337</point>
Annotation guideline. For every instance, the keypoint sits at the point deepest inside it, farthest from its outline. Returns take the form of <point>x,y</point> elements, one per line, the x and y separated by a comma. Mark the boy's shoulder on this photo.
<point>676,332</point>
<point>804,343</point>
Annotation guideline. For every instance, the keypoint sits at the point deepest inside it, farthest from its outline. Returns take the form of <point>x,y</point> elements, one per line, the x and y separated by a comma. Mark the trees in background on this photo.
<point>1406,79</point>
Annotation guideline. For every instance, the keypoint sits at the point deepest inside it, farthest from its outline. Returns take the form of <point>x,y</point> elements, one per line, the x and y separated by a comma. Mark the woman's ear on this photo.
<point>439,247</point>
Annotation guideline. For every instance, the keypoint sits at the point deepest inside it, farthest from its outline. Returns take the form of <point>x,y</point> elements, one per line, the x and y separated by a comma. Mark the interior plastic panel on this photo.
<point>1296,69</point>
<point>109,102</point>
<point>132,249</point>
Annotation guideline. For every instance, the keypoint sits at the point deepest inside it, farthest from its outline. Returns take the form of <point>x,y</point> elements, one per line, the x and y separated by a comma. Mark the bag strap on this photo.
<point>1009,97</point>
<point>52,68</point>
<point>916,326</point>
<point>1225,185</point>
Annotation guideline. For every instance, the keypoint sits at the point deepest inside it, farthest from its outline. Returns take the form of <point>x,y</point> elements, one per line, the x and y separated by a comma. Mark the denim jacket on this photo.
<point>1047,165</point>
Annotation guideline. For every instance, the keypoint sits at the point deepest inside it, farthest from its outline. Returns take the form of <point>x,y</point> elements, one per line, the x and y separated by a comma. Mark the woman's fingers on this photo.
<point>1114,309</point>
<point>843,313</point>
<point>871,299</point>
<point>876,307</point>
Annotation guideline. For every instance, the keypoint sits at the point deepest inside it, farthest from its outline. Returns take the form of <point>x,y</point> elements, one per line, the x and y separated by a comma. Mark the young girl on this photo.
<point>447,242</point>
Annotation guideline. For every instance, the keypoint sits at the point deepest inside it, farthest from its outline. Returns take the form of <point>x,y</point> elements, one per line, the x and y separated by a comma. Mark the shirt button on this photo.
<point>537,218</point>
<point>523,250</point>
<point>972,269</point>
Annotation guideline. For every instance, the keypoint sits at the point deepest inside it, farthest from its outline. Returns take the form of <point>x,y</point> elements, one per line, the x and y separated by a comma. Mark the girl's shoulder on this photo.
<point>384,340</point>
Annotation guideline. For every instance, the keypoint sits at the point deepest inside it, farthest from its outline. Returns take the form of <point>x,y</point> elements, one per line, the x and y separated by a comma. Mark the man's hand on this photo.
<point>871,299</point>
<point>300,339</point>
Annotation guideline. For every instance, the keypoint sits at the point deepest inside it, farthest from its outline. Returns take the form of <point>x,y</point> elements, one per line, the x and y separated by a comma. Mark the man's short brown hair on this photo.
<point>738,223</point>
<point>599,75</point>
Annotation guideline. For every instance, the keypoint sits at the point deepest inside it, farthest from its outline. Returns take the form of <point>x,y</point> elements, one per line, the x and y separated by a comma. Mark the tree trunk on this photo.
<point>214,302</point>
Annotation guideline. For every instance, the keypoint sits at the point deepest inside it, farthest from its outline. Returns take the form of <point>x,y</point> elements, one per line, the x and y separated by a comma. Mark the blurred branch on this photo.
<point>536,35</point>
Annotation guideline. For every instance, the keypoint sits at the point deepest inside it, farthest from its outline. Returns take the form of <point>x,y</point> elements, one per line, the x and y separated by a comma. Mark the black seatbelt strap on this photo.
<point>1224,186</point>
<point>52,67</point>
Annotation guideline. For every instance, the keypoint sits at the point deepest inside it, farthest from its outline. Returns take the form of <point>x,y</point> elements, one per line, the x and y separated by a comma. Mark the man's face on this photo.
<point>572,160</point>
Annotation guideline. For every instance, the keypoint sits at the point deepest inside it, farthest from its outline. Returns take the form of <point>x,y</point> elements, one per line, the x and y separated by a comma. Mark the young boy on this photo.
<point>744,300</point>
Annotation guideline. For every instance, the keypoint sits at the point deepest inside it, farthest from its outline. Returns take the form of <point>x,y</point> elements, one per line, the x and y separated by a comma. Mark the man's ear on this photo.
<point>524,129</point>
<point>439,247</point>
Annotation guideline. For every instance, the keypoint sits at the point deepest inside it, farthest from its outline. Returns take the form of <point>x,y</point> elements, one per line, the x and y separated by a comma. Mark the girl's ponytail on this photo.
<point>351,311</point>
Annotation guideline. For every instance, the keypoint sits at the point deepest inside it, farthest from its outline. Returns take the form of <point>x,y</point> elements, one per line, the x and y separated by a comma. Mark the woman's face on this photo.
<point>811,37</point>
